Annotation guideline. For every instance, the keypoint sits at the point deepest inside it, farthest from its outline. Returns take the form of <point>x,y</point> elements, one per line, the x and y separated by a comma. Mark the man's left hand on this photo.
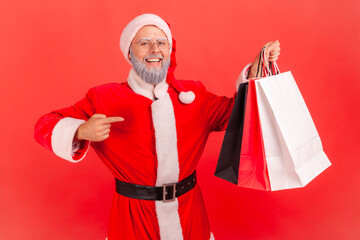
<point>272,54</point>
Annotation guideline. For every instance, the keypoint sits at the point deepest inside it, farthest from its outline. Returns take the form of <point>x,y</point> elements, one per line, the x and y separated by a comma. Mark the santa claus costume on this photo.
<point>161,141</point>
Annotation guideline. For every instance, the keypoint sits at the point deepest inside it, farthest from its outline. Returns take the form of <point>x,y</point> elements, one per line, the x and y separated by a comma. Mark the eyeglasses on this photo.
<point>146,44</point>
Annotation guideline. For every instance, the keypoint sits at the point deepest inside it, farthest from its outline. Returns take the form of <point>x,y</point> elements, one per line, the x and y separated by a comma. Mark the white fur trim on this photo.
<point>135,25</point>
<point>187,97</point>
<point>211,236</point>
<point>169,220</point>
<point>139,86</point>
<point>160,89</point>
<point>166,149</point>
<point>62,138</point>
<point>243,77</point>
<point>145,89</point>
<point>168,165</point>
<point>166,140</point>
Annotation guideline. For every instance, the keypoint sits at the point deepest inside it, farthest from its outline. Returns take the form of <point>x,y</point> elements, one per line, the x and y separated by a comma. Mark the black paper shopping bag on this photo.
<point>228,163</point>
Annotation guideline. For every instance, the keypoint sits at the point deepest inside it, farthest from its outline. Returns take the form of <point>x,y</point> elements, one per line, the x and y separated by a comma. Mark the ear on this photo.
<point>129,56</point>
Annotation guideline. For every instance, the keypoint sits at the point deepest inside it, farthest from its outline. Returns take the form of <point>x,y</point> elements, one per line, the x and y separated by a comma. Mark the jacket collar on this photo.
<point>145,89</point>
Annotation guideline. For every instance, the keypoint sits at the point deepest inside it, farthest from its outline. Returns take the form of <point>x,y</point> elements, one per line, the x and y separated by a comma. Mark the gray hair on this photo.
<point>152,76</point>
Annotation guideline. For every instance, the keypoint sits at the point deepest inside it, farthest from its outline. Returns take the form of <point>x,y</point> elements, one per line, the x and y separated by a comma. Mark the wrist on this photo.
<point>77,136</point>
<point>252,72</point>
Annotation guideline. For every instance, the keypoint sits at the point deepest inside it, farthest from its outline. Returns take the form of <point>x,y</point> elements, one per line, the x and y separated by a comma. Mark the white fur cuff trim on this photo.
<point>212,236</point>
<point>62,138</point>
<point>243,76</point>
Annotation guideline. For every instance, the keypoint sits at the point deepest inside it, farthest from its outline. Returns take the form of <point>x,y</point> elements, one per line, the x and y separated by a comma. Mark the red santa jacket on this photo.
<point>160,141</point>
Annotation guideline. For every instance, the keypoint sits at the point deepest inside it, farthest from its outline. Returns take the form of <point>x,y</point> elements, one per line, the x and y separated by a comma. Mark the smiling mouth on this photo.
<point>153,60</point>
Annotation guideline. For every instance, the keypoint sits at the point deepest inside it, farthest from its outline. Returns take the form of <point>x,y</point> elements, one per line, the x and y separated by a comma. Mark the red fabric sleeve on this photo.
<point>217,110</point>
<point>83,109</point>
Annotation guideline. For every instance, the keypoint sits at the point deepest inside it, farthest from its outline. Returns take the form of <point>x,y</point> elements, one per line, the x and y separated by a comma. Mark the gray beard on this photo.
<point>153,75</point>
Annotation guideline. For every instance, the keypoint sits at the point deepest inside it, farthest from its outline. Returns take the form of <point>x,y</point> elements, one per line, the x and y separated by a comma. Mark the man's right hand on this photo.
<point>96,129</point>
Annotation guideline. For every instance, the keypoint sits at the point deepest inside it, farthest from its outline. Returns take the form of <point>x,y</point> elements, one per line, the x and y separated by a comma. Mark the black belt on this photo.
<point>166,193</point>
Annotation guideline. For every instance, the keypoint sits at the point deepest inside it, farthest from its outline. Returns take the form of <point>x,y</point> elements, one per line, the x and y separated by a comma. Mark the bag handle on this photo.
<point>266,69</point>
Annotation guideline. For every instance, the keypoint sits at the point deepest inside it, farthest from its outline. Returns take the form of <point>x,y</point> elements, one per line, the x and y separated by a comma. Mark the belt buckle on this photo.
<point>164,192</point>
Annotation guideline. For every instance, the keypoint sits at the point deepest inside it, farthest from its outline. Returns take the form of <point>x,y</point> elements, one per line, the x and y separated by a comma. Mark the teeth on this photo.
<point>153,60</point>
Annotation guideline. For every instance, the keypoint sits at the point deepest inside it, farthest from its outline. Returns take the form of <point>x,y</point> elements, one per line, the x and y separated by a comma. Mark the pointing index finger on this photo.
<point>113,119</point>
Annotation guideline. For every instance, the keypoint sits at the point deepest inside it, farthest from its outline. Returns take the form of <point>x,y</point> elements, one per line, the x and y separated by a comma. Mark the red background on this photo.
<point>51,52</point>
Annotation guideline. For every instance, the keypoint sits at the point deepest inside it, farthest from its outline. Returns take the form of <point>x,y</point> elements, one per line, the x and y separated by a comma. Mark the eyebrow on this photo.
<point>148,39</point>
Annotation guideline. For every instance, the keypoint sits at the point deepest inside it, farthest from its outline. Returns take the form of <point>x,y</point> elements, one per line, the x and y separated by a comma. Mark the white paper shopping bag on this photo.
<point>293,149</point>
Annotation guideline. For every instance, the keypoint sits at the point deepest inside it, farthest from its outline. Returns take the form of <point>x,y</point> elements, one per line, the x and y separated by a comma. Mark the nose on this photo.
<point>154,48</point>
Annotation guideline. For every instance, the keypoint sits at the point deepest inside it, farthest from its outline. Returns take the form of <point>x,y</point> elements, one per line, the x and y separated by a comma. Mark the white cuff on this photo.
<point>243,76</point>
<point>62,138</point>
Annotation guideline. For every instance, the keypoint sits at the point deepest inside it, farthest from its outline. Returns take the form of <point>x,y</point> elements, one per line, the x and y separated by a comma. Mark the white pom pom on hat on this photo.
<point>187,97</point>
<point>135,25</point>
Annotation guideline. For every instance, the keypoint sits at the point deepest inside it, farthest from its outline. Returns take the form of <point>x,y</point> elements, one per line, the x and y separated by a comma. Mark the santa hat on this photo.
<point>135,25</point>
<point>128,35</point>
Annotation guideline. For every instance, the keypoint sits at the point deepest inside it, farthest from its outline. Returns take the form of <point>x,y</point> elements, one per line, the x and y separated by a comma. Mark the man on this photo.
<point>159,127</point>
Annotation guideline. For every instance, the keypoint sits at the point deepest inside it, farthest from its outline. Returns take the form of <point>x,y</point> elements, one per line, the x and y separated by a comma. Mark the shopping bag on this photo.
<point>249,168</point>
<point>280,147</point>
<point>252,169</point>
<point>293,149</point>
<point>228,163</point>
<point>242,156</point>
